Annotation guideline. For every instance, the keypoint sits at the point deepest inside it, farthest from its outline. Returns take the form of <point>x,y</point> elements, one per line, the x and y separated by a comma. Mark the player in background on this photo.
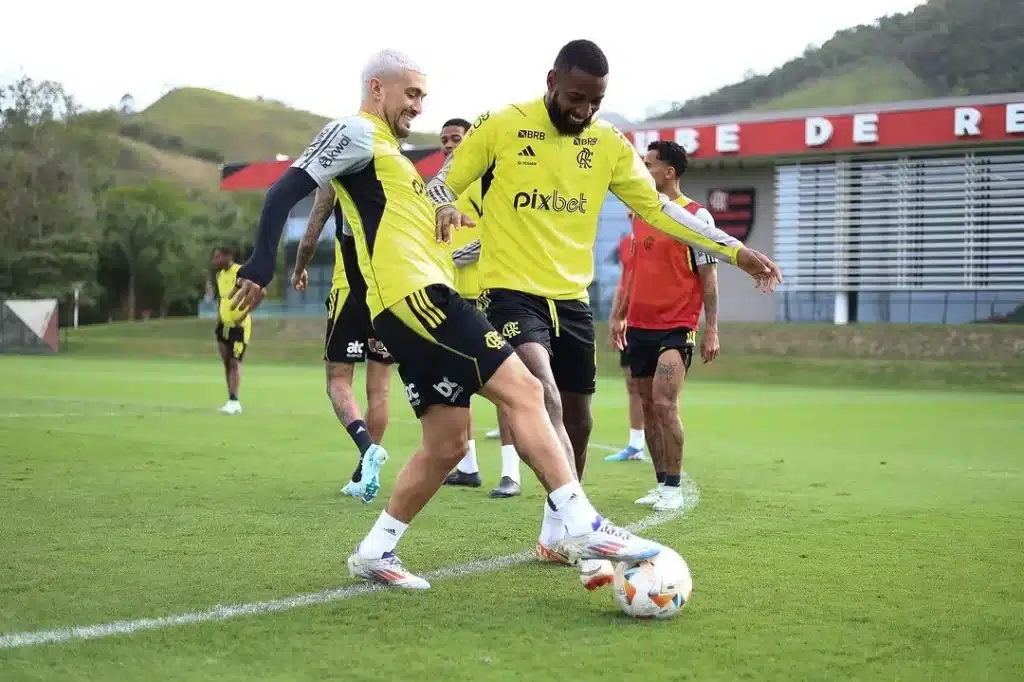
<point>549,166</point>
<point>656,322</point>
<point>233,330</point>
<point>465,253</point>
<point>445,349</point>
<point>634,450</point>
<point>349,340</point>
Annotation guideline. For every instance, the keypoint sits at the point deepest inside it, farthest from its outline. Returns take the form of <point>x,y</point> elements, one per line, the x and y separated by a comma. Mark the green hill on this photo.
<point>222,127</point>
<point>941,48</point>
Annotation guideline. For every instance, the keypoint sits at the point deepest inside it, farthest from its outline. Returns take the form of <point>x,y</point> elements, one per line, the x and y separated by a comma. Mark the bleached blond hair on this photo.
<point>387,62</point>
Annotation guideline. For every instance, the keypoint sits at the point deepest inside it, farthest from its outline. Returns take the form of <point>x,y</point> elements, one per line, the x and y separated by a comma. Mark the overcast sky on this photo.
<point>309,54</point>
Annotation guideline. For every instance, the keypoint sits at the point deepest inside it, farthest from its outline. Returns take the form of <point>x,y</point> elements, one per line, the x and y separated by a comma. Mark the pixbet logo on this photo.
<point>550,202</point>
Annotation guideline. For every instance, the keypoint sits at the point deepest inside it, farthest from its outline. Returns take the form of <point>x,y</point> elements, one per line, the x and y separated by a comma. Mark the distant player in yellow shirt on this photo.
<point>466,253</point>
<point>234,327</point>
<point>547,166</point>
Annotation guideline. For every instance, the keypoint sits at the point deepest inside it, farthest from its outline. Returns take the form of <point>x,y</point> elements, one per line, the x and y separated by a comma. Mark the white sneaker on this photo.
<point>608,541</point>
<point>651,498</point>
<point>493,434</point>
<point>387,570</point>
<point>671,499</point>
<point>231,407</point>
<point>595,573</point>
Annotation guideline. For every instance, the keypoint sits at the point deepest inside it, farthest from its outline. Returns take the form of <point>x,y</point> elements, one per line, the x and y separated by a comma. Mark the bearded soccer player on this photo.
<point>657,319</point>
<point>465,253</point>
<point>634,450</point>
<point>233,328</point>
<point>349,341</point>
<point>445,349</point>
<point>548,166</point>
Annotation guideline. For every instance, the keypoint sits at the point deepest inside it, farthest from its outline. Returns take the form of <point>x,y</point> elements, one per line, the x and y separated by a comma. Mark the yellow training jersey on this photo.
<point>225,283</point>
<point>467,277</point>
<point>542,196</point>
<point>383,199</point>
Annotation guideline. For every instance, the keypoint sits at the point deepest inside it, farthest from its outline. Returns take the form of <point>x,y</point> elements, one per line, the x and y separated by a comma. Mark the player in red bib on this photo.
<point>657,323</point>
<point>634,450</point>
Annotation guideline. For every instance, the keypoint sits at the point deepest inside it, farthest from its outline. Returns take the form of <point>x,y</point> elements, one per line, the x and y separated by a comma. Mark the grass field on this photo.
<point>841,534</point>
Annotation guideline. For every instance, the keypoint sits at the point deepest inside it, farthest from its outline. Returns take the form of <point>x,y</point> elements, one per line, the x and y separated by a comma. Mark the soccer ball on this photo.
<point>654,588</point>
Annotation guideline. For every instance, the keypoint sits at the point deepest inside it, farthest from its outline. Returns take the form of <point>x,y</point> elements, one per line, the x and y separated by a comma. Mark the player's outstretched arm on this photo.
<point>463,167</point>
<point>632,183</point>
<point>342,146</point>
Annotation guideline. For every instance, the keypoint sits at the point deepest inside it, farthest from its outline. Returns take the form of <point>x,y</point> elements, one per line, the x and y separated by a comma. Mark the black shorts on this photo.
<point>645,346</point>
<point>623,359</point>
<point>349,332</point>
<point>235,338</point>
<point>445,348</point>
<point>564,328</point>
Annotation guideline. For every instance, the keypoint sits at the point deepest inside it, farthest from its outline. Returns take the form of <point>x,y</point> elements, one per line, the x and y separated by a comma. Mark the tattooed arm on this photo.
<point>323,204</point>
<point>709,345</point>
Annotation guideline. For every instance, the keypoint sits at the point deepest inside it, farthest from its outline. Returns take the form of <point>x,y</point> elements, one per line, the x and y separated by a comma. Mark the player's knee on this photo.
<point>525,392</point>
<point>665,407</point>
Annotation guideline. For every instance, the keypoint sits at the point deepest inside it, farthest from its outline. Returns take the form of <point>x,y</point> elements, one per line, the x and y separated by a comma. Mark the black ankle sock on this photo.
<point>360,435</point>
<point>232,396</point>
<point>672,481</point>
<point>660,475</point>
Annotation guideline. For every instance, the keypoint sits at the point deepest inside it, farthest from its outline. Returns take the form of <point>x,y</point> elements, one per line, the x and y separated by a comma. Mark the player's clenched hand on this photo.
<point>766,274</point>
<point>300,280</point>
<point>709,345</point>
<point>617,334</point>
<point>450,218</point>
<point>246,295</point>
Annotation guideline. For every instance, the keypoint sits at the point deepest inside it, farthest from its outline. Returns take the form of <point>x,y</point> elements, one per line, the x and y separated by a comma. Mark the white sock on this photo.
<point>383,537</point>
<point>552,528</point>
<point>510,463</point>
<point>577,512</point>
<point>636,439</point>
<point>467,464</point>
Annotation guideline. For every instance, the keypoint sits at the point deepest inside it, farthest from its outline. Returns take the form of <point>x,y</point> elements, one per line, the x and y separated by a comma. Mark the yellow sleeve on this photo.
<point>467,164</point>
<point>633,184</point>
<point>471,201</point>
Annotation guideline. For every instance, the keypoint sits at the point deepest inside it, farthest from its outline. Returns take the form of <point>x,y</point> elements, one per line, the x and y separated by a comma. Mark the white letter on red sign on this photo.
<point>865,128</point>
<point>727,137</point>
<point>1015,118</point>
<point>966,121</point>
<point>817,131</point>
<point>642,138</point>
<point>688,139</point>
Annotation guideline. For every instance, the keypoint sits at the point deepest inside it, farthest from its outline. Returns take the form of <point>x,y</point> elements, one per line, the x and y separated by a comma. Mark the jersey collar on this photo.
<point>382,127</point>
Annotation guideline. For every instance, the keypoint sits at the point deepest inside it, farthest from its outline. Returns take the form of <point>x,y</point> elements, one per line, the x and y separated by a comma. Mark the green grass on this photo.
<point>872,79</point>
<point>841,534</point>
<point>148,161</point>
<point>241,129</point>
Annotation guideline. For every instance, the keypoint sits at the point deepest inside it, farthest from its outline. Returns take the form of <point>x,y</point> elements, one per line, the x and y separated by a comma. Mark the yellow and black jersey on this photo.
<point>542,195</point>
<point>384,202</point>
<point>225,315</point>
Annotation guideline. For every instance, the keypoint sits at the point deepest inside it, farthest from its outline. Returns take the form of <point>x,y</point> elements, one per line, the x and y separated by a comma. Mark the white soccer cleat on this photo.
<point>387,570</point>
<point>651,498</point>
<point>493,434</point>
<point>231,407</point>
<point>608,541</point>
<point>552,554</point>
<point>596,573</point>
<point>671,499</point>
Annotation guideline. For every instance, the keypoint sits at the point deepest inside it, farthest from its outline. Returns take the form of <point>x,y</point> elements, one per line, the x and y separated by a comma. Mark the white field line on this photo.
<point>219,612</point>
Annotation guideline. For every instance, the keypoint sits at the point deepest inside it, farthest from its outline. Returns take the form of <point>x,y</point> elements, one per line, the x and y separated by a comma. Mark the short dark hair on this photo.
<point>226,250</point>
<point>460,122</point>
<point>584,55</point>
<point>672,154</point>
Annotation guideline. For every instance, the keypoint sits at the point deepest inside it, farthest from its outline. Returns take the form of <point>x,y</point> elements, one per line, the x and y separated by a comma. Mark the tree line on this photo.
<point>956,47</point>
<point>68,217</point>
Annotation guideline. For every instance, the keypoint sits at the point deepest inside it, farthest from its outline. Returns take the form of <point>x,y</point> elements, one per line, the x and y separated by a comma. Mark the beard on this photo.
<point>561,120</point>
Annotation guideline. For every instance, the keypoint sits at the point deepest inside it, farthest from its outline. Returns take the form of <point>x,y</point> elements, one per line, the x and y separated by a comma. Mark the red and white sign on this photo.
<point>939,127</point>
